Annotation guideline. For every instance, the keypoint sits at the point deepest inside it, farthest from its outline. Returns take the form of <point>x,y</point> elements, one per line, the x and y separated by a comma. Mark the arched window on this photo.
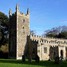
<point>45,49</point>
<point>23,20</point>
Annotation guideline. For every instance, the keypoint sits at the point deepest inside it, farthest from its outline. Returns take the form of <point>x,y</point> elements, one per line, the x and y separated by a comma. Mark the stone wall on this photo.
<point>44,42</point>
<point>22,33</point>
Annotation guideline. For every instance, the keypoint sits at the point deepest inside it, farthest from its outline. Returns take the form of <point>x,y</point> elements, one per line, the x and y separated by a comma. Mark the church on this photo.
<point>22,43</point>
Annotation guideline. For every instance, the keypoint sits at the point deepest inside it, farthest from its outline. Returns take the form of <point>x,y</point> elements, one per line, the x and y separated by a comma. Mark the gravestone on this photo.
<point>23,58</point>
<point>37,58</point>
<point>56,60</point>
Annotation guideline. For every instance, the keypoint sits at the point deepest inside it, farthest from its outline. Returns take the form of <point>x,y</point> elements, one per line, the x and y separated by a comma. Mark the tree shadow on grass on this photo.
<point>41,63</point>
<point>10,61</point>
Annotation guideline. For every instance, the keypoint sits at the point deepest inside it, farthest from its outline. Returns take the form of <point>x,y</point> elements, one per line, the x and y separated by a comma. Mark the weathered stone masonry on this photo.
<point>19,30</point>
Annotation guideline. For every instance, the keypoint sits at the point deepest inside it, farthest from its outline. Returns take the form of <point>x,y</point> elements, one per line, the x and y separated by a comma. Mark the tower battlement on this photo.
<point>27,15</point>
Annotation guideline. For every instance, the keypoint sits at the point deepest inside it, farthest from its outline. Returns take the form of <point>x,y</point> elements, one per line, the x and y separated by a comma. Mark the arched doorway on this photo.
<point>66,53</point>
<point>53,52</point>
<point>61,54</point>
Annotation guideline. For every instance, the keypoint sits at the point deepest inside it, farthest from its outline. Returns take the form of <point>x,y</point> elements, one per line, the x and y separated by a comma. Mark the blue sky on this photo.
<point>44,14</point>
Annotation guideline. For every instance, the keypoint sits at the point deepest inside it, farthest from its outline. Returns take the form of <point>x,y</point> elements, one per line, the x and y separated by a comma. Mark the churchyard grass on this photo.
<point>19,63</point>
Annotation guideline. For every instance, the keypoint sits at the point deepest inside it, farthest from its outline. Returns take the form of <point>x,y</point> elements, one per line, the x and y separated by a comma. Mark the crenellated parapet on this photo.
<point>22,14</point>
<point>35,37</point>
<point>48,40</point>
<point>18,13</point>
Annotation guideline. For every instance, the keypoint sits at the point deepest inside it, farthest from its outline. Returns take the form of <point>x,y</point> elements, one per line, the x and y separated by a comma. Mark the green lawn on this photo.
<point>15,63</point>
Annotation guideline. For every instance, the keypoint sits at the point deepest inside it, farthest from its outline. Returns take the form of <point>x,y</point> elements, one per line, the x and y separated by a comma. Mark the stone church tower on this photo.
<point>18,30</point>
